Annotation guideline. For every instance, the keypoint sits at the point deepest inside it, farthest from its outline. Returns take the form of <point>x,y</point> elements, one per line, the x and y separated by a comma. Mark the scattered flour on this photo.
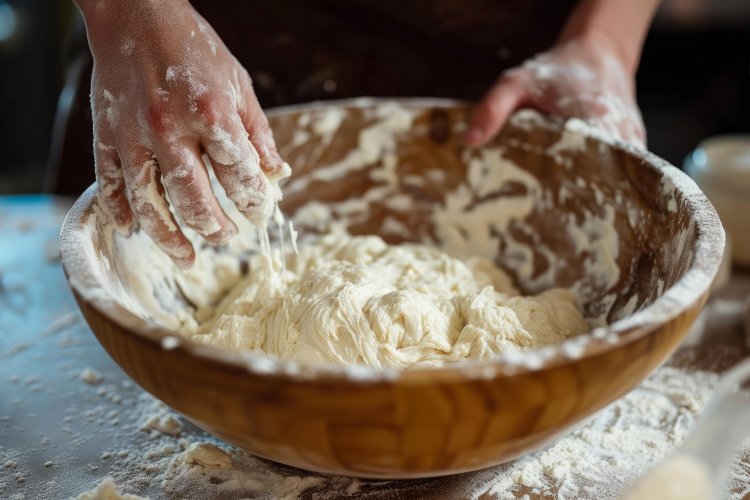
<point>616,446</point>
<point>107,491</point>
<point>160,420</point>
<point>91,376</point>
<point>599,460</point>
<point>207,455</point>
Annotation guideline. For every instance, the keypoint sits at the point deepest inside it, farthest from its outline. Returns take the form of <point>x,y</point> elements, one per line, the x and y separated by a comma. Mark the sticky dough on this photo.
<point>347,300</point>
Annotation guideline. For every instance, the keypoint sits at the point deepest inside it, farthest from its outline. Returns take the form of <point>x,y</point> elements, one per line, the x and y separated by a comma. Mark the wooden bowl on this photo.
<point>594,204</point>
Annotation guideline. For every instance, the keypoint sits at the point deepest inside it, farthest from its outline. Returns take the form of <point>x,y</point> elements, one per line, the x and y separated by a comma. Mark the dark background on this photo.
<point>694,79</point>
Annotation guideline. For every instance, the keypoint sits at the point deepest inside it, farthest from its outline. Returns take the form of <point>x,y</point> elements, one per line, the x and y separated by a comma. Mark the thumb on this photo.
<point>493,110</point>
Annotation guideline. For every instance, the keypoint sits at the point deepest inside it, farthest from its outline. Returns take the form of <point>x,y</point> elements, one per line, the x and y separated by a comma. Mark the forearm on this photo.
<point>623,24</point>
<point>105,18</point>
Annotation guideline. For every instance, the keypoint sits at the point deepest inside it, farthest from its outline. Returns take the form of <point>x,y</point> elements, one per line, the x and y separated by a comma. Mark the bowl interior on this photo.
<point>550,203</point>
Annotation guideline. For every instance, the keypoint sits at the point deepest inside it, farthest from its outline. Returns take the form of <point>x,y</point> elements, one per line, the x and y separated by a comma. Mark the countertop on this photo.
<point>69,417</point>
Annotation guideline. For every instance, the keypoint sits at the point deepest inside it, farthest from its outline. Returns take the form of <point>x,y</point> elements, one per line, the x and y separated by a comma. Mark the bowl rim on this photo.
<point>692,287</point>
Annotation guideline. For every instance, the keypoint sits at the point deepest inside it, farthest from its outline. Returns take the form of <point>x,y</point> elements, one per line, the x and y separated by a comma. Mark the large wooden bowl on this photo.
<point>432,421</point>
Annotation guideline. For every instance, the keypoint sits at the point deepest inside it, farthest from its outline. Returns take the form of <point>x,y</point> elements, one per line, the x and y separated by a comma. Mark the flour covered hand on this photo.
<point>573,81</point>
<point>165,90</point>
<point>589,74</point>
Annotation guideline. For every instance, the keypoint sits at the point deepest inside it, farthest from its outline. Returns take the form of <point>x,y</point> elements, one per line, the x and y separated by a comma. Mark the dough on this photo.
<point>206,455</point>
<point>107,490</point>
<point>347,300</point>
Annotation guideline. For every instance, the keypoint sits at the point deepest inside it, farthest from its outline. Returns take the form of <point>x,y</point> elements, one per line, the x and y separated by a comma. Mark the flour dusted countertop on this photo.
<point>69,417</point>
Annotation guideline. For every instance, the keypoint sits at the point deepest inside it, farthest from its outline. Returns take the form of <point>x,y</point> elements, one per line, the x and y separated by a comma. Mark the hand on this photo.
<point>165,90</point>
<point>582,78</point>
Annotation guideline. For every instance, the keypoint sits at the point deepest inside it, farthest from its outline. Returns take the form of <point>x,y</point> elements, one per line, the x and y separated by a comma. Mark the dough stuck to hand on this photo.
<point>357,300</point>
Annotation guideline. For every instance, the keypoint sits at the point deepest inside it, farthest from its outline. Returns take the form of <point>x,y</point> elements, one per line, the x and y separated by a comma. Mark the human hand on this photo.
<point>165,90</point>
<point>582,78</point>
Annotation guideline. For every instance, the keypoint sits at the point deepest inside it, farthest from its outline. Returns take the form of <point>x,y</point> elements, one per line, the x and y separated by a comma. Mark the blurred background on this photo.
<point>693,82</point>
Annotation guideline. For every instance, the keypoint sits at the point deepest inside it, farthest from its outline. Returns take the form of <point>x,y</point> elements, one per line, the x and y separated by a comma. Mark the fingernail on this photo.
<point>280,170</point>
<point>127,228</point>
<point>185,262</point>
<point>181,256</point>
<point>223,235</point>
<point>473,135</point>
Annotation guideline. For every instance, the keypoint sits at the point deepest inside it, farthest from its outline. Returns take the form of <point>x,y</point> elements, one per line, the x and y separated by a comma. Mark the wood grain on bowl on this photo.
<point>427,421</point>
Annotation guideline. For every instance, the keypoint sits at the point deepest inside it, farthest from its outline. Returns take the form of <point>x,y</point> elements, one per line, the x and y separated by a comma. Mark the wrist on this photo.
<point>605,45</point>
<point>619,27</point>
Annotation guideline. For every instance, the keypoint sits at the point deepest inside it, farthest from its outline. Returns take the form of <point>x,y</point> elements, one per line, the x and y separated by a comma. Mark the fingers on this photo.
<point>146,196</point>
<point>187,183</point>
<point>619,117</point>
<point>112,183</point>
<point>237,166</point>
<point>633,134</point>
<point>636,128</point>
<point>639,136</point>
<point>237,139</point>
<point>256,126</point>
<point>493,110</point>
<point>247,187</point>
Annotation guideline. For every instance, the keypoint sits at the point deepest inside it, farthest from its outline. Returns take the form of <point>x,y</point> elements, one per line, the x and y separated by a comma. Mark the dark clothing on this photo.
<point>442,48</point>
<point>305,50</point>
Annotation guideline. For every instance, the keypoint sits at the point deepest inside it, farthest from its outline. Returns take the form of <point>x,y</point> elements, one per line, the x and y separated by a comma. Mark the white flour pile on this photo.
<point>357,300</point>
<point>599,460</point>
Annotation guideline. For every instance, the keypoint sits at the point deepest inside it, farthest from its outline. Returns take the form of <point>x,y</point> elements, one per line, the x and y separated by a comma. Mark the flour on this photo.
<point>468,228</point>
<point>207,455</point>
<point>160,420</point>
<point>616,446</point>
<point>597,461</point>
<point>374,144</point>
<point>106,491</point>
<point>608,110</point>
<point>91,376</point>
<point>193,465</point>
